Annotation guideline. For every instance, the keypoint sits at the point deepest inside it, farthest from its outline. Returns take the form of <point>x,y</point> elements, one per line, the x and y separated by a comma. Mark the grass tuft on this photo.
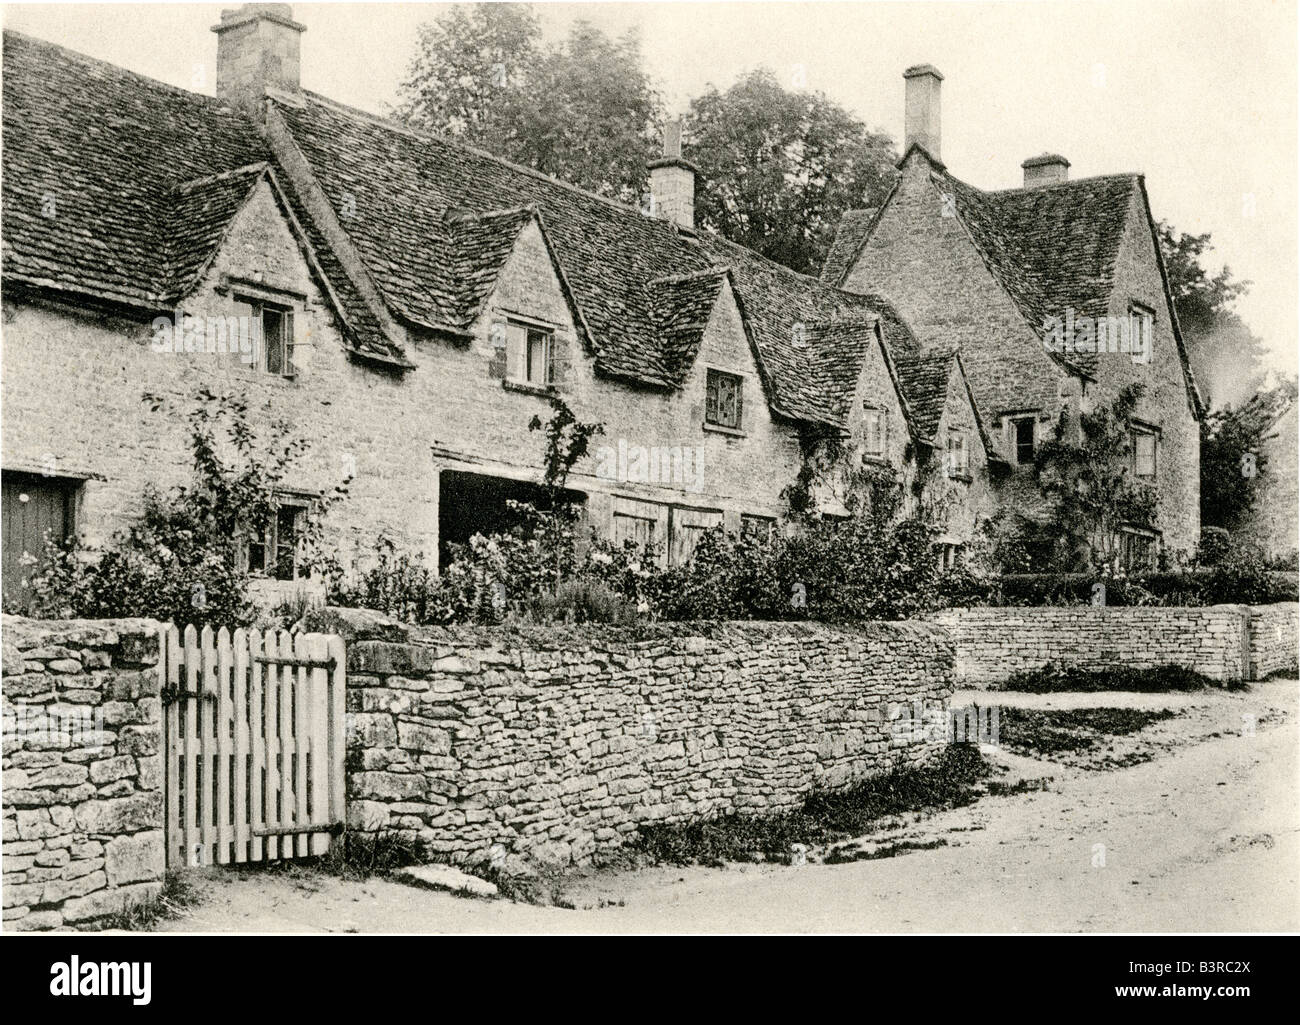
<point>951,781</point>
<point>178,895</point>
<point>1054,679</point>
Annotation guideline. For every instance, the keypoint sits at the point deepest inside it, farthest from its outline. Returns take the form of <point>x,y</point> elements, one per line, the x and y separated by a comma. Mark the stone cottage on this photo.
<point>409,305</point>
<point>1056,296</point>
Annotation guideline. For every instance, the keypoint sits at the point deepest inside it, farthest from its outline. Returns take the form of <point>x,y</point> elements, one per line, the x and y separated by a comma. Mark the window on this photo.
<point>273,552</point>
<point>1144,452</point>
<point>957,456</point>
<point>1022,439</point>
<point>722,399</point>
<point>530,355</point>
<point>875,432</point>
<point>273,337</point>
<point>949,554</point>
<point>757,526</point>
<point>1141,322</point>
<point>1138,550</point>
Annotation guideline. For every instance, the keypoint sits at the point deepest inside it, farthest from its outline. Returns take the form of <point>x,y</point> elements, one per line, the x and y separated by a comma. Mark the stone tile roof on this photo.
<point>924,379</point>
<point>146,178</point>
<point>850,235</point>
<point>1051,247</point>
<point>199,213</point>
<point>95,160</point>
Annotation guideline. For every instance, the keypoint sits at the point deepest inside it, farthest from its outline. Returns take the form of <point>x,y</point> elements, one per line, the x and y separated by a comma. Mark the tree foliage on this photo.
<point>780,166</point>
<point>1234,463</point>
<point>1226,355</point>
<point>583,109</point>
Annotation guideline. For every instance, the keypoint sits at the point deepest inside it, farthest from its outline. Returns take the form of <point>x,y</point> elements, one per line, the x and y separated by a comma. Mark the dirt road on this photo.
<point>1205,837</point>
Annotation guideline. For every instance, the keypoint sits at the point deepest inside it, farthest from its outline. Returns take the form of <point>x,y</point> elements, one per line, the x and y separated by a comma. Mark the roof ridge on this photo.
<point>717,270</point>
<point>257,167</point>
<point>1021,190</point>
<point>422,135</point>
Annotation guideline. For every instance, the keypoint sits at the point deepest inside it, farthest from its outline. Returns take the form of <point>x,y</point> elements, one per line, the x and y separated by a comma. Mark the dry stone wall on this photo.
<point>554,744</point>
<point>1225,642</point>
<point>1274,639</point>
<point>82,770</point>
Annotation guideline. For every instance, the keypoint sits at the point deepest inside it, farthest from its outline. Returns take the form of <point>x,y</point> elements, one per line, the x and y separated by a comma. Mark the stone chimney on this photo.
<point>921,119</point>
<point>1048,169</point>
<point>258,49</point>
<point>672,181</point>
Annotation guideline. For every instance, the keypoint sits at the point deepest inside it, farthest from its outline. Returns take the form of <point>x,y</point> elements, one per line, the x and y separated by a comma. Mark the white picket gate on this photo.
<point>253,744</point>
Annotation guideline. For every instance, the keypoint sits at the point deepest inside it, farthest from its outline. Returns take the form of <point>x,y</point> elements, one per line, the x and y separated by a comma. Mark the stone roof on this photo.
<point>1051,247</point>
<point>924,379</point>
<point>145,178</point>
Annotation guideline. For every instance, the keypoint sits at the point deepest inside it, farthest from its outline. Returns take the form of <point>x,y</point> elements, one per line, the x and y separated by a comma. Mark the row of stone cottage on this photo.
<point>409,305</point>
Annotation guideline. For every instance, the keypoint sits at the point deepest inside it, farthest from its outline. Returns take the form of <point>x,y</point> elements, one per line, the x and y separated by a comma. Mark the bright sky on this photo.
<point>1200,95</point>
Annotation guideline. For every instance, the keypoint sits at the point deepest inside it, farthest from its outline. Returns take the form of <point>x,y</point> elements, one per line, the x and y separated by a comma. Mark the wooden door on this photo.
<point>33,507</point>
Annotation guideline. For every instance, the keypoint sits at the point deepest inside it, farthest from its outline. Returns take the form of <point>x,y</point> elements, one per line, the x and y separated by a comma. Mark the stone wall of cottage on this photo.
<point>83,770</point>
<point>1224,642</point>
<point>555,744</point>
<point>1274,641</point>
<point>1165,403</point>
<point>74,384</point>
<point>921,258</point>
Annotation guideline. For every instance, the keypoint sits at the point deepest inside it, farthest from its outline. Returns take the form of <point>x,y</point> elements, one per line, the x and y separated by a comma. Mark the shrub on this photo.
<point>582,600</point>
<point>1215,542</point>
<point>1053,679</point>
<point>183,560</point>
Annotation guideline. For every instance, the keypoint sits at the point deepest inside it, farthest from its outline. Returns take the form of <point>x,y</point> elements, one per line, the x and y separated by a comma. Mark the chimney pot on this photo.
<point>672,181</point>
<point>1047,169</point>
<point>921,115</point>
<point>258,49</point>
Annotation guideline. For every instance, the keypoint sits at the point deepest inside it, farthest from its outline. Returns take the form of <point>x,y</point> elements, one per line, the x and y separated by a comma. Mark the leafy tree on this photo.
<point>582,110</point>
<point>1226,355</point>
<point>1084,473</point>
<point>780,167</point>
<point>1234,465</point>
<point>568,440</point>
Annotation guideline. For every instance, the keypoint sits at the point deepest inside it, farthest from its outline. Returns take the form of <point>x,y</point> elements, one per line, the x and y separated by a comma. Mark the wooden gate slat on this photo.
<point>257,746</point>
<point>189,722</point>
<point>318,651</point>
<point>223,746</point>
<point>301,732</point>
<point>273,749</point>
<point>239,645</point>
<point>205,711</point>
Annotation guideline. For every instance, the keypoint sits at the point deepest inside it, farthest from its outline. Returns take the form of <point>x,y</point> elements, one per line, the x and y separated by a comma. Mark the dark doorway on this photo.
<point>476,503</point>
<point>34,507</point>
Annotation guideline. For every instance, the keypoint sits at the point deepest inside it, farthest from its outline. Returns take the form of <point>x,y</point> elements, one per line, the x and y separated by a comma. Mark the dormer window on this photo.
<point>722,399</point>
<point>530,355</point>
<point>875,432</point>
<point>1022,439</point>
<point>957,455</point>
<point>272,329</point>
